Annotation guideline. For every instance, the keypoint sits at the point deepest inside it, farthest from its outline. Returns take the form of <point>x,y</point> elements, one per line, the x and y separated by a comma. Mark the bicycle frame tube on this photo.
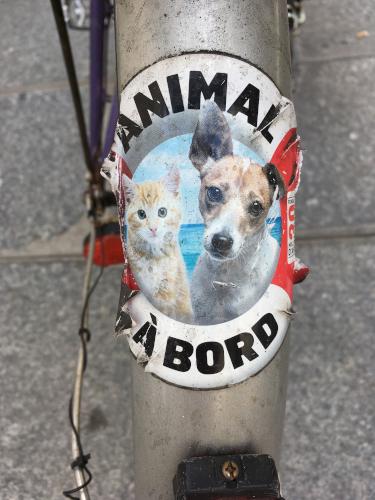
<point>98,30</point>
<point>97,92</point>
<point>172,423</point>
<point>111,127</point>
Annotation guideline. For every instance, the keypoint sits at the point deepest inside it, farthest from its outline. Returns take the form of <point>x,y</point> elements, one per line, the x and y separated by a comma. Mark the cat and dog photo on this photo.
<point>203,224</point>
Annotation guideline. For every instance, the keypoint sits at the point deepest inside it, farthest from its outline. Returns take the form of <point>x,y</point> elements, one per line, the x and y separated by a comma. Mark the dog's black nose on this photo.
<point>222,243</point>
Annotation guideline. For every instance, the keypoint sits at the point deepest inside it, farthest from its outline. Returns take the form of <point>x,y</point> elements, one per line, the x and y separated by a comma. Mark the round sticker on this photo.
<point>205,167</point>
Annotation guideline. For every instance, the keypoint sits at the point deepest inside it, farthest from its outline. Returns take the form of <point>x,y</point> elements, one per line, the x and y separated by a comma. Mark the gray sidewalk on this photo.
<point>329,438</point>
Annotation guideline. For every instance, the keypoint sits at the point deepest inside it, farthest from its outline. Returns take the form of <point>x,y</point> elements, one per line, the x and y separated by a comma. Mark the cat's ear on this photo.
<point>212,137</point>
<point>129,188</point>
<point>172,180</point>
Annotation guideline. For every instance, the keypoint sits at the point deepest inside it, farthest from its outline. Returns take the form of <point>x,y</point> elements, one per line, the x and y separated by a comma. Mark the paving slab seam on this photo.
<point>328,59</point>
<point>45,87</point>
<point>361,232</point>
<point>40,87</point>
<point>336,232</point>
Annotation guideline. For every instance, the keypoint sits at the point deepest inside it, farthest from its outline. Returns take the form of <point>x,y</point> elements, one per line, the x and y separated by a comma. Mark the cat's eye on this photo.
<point>141,214</point>
<point>215,194</point>
<point>255,208</point>
<point>162,212</point>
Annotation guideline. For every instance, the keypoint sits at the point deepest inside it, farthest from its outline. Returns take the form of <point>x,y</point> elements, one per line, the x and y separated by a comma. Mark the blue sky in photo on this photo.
<point>175,152</point>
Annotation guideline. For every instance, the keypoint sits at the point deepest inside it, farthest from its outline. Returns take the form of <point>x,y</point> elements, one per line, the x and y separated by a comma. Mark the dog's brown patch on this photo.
<point>241,180</point>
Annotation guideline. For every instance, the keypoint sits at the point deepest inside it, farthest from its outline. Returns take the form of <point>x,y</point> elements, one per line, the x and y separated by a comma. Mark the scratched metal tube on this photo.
<point>172,423</point>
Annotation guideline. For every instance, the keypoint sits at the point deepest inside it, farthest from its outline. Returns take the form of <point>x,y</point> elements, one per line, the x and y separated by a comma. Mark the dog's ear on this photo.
<point>212,137</point>
<point>274,179</point>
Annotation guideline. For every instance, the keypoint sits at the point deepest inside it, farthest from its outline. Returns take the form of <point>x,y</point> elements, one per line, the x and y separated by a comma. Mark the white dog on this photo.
<point>235,197</point>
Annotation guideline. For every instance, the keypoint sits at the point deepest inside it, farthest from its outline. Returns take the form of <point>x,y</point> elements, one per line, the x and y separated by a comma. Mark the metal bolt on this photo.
<point>230,470</point>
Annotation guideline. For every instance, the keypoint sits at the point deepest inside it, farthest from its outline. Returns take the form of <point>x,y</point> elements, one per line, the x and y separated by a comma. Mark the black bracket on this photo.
<point>227,477</point>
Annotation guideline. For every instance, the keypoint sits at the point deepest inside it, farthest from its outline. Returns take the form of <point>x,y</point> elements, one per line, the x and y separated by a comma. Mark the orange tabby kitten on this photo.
<point>153,218</point>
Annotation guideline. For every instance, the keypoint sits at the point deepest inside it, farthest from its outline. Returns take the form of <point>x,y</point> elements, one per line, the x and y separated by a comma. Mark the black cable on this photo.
<point>70,69</point>
<point>84,333</point>
<point>92,289</point>
<point>81,461</point>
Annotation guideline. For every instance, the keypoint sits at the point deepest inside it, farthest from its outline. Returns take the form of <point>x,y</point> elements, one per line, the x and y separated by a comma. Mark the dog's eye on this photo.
<point>141,214</point>
<point>162,212</point>
<point>255,208</point>
<point>215,194</point>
